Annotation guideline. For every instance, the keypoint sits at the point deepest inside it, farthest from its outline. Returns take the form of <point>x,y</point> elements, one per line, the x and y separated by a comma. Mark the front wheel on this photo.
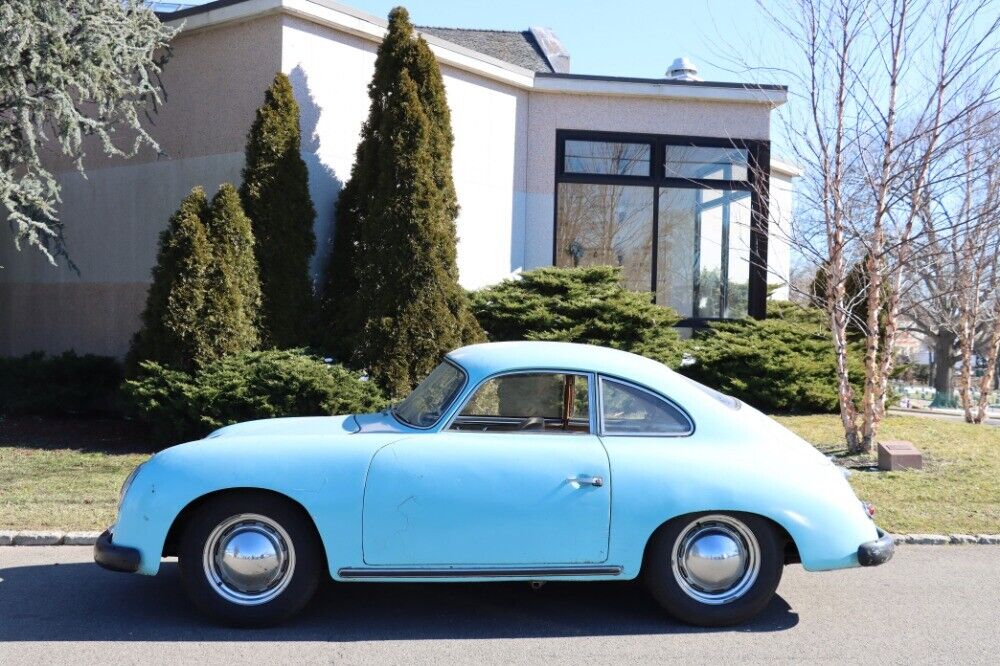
<point>714,569</point>
<point>250,559</point>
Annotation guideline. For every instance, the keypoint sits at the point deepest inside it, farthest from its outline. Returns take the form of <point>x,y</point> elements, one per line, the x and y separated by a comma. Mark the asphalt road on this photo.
<point>930,604</point>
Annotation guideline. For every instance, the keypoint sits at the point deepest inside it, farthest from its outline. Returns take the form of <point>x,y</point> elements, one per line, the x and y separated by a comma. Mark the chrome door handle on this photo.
<point>595,481</point>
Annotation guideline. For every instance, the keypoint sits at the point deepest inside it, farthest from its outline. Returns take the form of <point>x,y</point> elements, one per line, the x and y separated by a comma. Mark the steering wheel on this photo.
<point>532,423</point>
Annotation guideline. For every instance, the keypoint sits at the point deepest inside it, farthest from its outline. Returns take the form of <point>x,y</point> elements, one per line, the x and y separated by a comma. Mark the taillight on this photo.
<point>869,509</point>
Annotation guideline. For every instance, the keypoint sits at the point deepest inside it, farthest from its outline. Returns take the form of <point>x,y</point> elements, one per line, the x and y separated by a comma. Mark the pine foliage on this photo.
<point>172,331</point>
<point>855,298</point>
<point>232,300</point>
<point>402,307</point>
<point>785,363</point>
<point>340,313</point>
<point>586,305</point>
<point>275,196</point>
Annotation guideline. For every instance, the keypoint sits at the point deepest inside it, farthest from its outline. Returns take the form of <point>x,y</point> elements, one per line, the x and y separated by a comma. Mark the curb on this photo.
<point>947,539</point>
<point>38,538</point>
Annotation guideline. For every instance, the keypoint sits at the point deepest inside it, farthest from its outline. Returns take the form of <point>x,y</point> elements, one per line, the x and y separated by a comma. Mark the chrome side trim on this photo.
<point>475,572</point>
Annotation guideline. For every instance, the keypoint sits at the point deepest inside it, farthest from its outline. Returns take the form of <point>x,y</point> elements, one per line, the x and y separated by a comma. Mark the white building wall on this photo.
<point>330,71</point>
<point>779,249</point>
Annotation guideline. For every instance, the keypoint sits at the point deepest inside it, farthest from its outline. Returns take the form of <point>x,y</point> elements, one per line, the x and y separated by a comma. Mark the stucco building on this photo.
<point>671,178</point>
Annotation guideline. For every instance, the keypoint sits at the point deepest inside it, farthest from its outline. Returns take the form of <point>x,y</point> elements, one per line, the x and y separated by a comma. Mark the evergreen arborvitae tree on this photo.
<point>339,314</point>
<point>172,332</point>
<point>855,297</point>
<point>398,225</point>
<point>231,311</point>
<point>275,196</point>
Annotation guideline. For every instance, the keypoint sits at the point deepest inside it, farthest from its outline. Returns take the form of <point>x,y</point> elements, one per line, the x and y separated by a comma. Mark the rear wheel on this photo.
<point>714,569</point>
<point>250,559</point>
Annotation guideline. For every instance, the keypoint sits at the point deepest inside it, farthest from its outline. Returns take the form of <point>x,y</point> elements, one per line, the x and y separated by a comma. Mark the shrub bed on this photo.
<point>182,406</point>
<point>63,385</point>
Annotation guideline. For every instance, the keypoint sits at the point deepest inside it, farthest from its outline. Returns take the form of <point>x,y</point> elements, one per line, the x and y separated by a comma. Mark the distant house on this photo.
<point>670,178</point>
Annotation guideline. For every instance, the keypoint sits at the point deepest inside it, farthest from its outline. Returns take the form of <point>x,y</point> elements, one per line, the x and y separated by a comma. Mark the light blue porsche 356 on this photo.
<point>529,461</point>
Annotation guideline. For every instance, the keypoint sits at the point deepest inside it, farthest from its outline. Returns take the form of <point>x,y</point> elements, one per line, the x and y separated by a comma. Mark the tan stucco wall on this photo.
<point>214,82</point>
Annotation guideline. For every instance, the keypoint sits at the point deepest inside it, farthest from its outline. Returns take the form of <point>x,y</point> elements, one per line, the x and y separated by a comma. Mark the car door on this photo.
<point>517,478</point>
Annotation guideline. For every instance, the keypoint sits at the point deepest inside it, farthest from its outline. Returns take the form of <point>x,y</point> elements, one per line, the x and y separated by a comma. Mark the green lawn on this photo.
<point>60,489</point>
<point>63,474</point>
<point>66,475</point>
<point>958,491</point>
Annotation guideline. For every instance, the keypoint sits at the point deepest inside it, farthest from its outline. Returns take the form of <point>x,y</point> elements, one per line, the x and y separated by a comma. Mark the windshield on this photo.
<point>431,398</point>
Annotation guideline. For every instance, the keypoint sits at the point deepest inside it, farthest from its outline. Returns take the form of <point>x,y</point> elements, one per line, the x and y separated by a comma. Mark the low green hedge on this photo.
<point>784,363</point>
<point>585,305</point>
<point>63,385</point>
<point>179,406</point>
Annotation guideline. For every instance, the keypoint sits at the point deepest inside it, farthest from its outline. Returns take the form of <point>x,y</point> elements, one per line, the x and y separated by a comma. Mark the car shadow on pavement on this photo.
<point>81,602</point>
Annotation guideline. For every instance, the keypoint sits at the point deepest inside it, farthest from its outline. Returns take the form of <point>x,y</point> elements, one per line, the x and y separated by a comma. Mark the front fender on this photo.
<point>323,474</point>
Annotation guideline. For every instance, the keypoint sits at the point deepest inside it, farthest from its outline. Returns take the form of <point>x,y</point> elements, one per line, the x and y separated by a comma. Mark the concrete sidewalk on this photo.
<point>992,418</point>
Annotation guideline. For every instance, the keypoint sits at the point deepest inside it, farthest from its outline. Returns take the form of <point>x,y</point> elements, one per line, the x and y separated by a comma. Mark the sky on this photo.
<point>625,38</point>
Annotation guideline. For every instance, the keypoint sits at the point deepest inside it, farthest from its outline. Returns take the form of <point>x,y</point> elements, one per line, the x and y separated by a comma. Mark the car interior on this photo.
<point>556,403</point>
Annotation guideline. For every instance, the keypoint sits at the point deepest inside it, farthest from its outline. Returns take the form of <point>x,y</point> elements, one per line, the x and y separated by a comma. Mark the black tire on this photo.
<point>305,545</point>
<point>668,590</point>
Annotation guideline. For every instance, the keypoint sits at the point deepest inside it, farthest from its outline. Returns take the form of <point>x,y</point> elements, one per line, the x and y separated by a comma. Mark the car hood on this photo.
<point>291,426</point>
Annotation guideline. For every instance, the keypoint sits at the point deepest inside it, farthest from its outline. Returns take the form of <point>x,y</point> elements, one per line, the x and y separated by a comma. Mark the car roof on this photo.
<point>490,358</point>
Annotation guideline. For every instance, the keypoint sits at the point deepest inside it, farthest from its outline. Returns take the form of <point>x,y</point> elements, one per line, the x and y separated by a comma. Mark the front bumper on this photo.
<point>114,557</point>
<point>876,552</point>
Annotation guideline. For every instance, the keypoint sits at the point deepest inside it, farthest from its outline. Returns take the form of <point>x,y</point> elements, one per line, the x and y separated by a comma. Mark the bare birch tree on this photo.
<point>977,232</point>
<point>878,88</point>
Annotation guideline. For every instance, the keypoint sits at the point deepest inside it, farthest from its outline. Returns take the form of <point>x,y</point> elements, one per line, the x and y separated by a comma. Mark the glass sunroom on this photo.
<point>684,217</point>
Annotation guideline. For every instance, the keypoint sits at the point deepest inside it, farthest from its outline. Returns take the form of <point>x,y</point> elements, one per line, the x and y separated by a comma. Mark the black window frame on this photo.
<point>756,183</point>
<point>602,431</point>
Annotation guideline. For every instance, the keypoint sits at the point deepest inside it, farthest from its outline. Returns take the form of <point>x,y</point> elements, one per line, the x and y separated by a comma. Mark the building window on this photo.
<point>703,259</point>
<point>683,217</point>
<point>607,224</point>
<point>705,163</point>
<point>607,157</point>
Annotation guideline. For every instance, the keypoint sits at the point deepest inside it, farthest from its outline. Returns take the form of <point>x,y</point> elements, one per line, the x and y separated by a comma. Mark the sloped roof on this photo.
<point>516,47</point>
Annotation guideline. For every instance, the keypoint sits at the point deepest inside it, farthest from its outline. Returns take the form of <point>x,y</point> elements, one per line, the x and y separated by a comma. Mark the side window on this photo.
<point>556,403</point>
<point>630,410</point>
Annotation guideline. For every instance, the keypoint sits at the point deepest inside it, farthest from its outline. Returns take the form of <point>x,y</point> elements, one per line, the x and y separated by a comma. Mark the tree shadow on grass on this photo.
<point>88,434</point>
<point>79,601</point>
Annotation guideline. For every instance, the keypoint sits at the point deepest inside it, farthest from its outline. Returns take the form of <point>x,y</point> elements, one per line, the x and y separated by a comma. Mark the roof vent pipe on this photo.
<point>682,69</point>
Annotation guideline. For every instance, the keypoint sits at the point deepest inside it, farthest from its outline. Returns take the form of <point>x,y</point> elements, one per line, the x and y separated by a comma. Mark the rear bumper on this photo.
<point>114,557</point>
<point>876,552</point>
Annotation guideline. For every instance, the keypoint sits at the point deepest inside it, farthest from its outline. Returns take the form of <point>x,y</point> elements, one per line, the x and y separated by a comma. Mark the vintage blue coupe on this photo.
<point>529,461</point>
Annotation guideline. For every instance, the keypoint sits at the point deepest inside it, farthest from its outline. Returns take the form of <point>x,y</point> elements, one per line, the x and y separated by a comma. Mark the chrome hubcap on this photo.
<point>249,559</point>
<point>716,559</point>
